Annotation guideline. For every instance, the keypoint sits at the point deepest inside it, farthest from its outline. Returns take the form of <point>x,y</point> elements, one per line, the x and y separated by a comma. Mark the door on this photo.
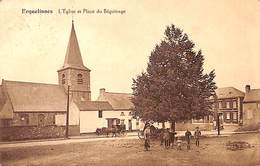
<point>109,123</point>
<point>130,125</point>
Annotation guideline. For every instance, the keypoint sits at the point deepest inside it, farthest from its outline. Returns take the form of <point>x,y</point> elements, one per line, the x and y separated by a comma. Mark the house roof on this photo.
<point>252,96</point>
<point>36,97</point>
<point>117,100</point>
<point>73,57</point>
<point>94,105</point>
<point>229,92</point>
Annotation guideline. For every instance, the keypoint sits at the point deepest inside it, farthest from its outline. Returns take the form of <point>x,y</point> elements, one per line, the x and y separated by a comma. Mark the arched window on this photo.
<point>41,118</point>
<point>80,79</point>
<point>63,79</point>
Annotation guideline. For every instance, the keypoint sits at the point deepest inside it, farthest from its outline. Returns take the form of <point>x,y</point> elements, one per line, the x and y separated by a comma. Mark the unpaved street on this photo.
<point>130,152</point>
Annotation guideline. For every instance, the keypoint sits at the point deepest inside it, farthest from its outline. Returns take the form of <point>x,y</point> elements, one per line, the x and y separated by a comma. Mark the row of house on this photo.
<point>37,110</point>
<point>235,107</point>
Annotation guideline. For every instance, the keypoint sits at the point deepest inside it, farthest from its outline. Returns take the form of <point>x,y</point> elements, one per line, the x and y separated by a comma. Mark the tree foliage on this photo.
<point>174,87</point>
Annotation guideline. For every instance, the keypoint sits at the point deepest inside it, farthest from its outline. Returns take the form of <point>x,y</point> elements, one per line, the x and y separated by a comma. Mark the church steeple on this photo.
<point>73,57</point>
<point>73,71</point>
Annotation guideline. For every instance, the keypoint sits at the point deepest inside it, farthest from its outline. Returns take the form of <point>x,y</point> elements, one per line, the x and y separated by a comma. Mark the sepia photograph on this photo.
<point>130,83</point>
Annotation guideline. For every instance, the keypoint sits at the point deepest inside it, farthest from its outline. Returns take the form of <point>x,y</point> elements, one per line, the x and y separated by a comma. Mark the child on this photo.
<point>179,141</point>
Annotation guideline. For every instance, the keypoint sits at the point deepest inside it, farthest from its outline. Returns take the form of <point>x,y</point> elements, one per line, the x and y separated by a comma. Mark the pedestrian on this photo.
<point>161,136</point>
<point>166,138</point>
<point>197,135</point>
<point>172,137</point>
<point>179,142</point>
<point>188,137</point>
<point>147,133</point>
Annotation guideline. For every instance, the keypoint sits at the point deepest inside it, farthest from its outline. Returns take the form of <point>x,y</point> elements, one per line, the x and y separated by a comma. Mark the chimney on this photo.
<point>247,88</point>
<point>102,91</point>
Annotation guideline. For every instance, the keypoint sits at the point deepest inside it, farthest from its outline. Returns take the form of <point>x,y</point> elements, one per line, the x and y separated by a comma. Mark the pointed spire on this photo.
<point>73,57</point>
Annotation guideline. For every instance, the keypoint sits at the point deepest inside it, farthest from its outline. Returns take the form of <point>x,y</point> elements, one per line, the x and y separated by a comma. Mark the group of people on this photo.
<point>167,138</point>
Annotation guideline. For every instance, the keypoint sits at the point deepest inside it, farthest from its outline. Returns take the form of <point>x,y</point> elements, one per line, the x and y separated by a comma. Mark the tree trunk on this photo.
<point>173,125</point>
<point>163,125</point>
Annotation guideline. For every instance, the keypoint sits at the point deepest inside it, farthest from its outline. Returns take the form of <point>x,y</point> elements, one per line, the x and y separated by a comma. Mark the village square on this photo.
<point>174,114</point>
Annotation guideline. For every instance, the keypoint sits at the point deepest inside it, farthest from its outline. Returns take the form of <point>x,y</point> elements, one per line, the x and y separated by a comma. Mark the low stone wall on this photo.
<point>192,126</point>
<point>35,132</point>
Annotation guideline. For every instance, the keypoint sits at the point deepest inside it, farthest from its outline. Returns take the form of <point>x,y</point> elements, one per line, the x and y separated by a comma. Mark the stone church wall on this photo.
<point>35,132</point>
<point>34,126</point>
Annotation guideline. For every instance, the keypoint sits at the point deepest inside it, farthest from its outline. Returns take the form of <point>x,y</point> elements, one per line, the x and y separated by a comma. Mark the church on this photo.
<point>38,110</point>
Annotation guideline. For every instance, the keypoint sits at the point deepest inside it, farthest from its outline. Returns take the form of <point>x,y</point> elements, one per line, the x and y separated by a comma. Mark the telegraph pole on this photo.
<point>216,113</point>
<point>67,115</point>
<point>218,123</point>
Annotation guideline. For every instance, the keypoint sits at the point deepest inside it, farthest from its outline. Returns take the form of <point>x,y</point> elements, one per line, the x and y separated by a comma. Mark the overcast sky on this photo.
<point>116,47</point>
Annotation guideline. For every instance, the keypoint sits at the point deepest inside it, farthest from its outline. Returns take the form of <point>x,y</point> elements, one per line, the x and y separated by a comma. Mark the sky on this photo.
<point>116,47</point>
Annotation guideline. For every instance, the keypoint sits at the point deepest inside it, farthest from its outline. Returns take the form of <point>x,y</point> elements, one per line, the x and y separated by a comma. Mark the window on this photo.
<point>24,119</point>
<point>223,104</point>
<point>219,105</point>
<point>228,115</point>
<point>234,104</point>
<point>100,114</point>
<point>234,115</point>
<point>130,113</point>
<point>137,122</point>
<point>63,79</point>
<point>122,114</point>
<point>257,105</point>
<point>228,104</point>
<point>80,79</point>
<point>122,122</point>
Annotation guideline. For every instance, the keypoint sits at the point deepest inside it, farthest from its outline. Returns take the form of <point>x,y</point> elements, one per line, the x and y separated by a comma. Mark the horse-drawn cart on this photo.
<point>115,130</point>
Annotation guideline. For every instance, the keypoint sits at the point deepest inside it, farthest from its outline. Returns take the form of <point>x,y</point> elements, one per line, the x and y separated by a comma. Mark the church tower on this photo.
<point>73,71</point>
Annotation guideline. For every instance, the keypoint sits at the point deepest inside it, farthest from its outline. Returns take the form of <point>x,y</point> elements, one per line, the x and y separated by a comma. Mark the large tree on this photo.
<point>174,87</point>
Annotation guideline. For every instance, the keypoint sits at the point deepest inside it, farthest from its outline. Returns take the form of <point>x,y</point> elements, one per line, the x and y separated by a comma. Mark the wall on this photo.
<point>89,120</point>
<point>74,113</point>
<point>35,132</point>
<point>32,126</point>
<point>251,114</point>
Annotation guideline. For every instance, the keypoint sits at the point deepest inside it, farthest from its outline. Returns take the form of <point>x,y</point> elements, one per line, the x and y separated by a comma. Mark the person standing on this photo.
<point>166,138</point>
<point>172,137</point>
<point>147,133</point>
<point>188,137</point>
<point>162,136</point>
<point>197,135</point>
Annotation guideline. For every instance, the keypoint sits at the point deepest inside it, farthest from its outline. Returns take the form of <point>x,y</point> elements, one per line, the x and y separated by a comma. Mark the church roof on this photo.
<point>73,57</point>
<point>36,97</point>
<point>229,92</point>
<point>119,101</point>
<point>94,105</point>
<point>2,97</point>
<point>252,96</point>
<point>6,111</point>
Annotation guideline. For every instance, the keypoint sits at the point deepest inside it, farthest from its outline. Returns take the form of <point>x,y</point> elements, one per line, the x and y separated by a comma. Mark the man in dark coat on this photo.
<point>188,137</point>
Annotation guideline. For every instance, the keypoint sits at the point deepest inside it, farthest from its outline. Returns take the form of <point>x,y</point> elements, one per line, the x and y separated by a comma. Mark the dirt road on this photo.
<point>131,152</point>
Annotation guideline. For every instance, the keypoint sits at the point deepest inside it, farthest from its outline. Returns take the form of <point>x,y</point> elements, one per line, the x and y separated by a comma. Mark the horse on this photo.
<point>114,130</point>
